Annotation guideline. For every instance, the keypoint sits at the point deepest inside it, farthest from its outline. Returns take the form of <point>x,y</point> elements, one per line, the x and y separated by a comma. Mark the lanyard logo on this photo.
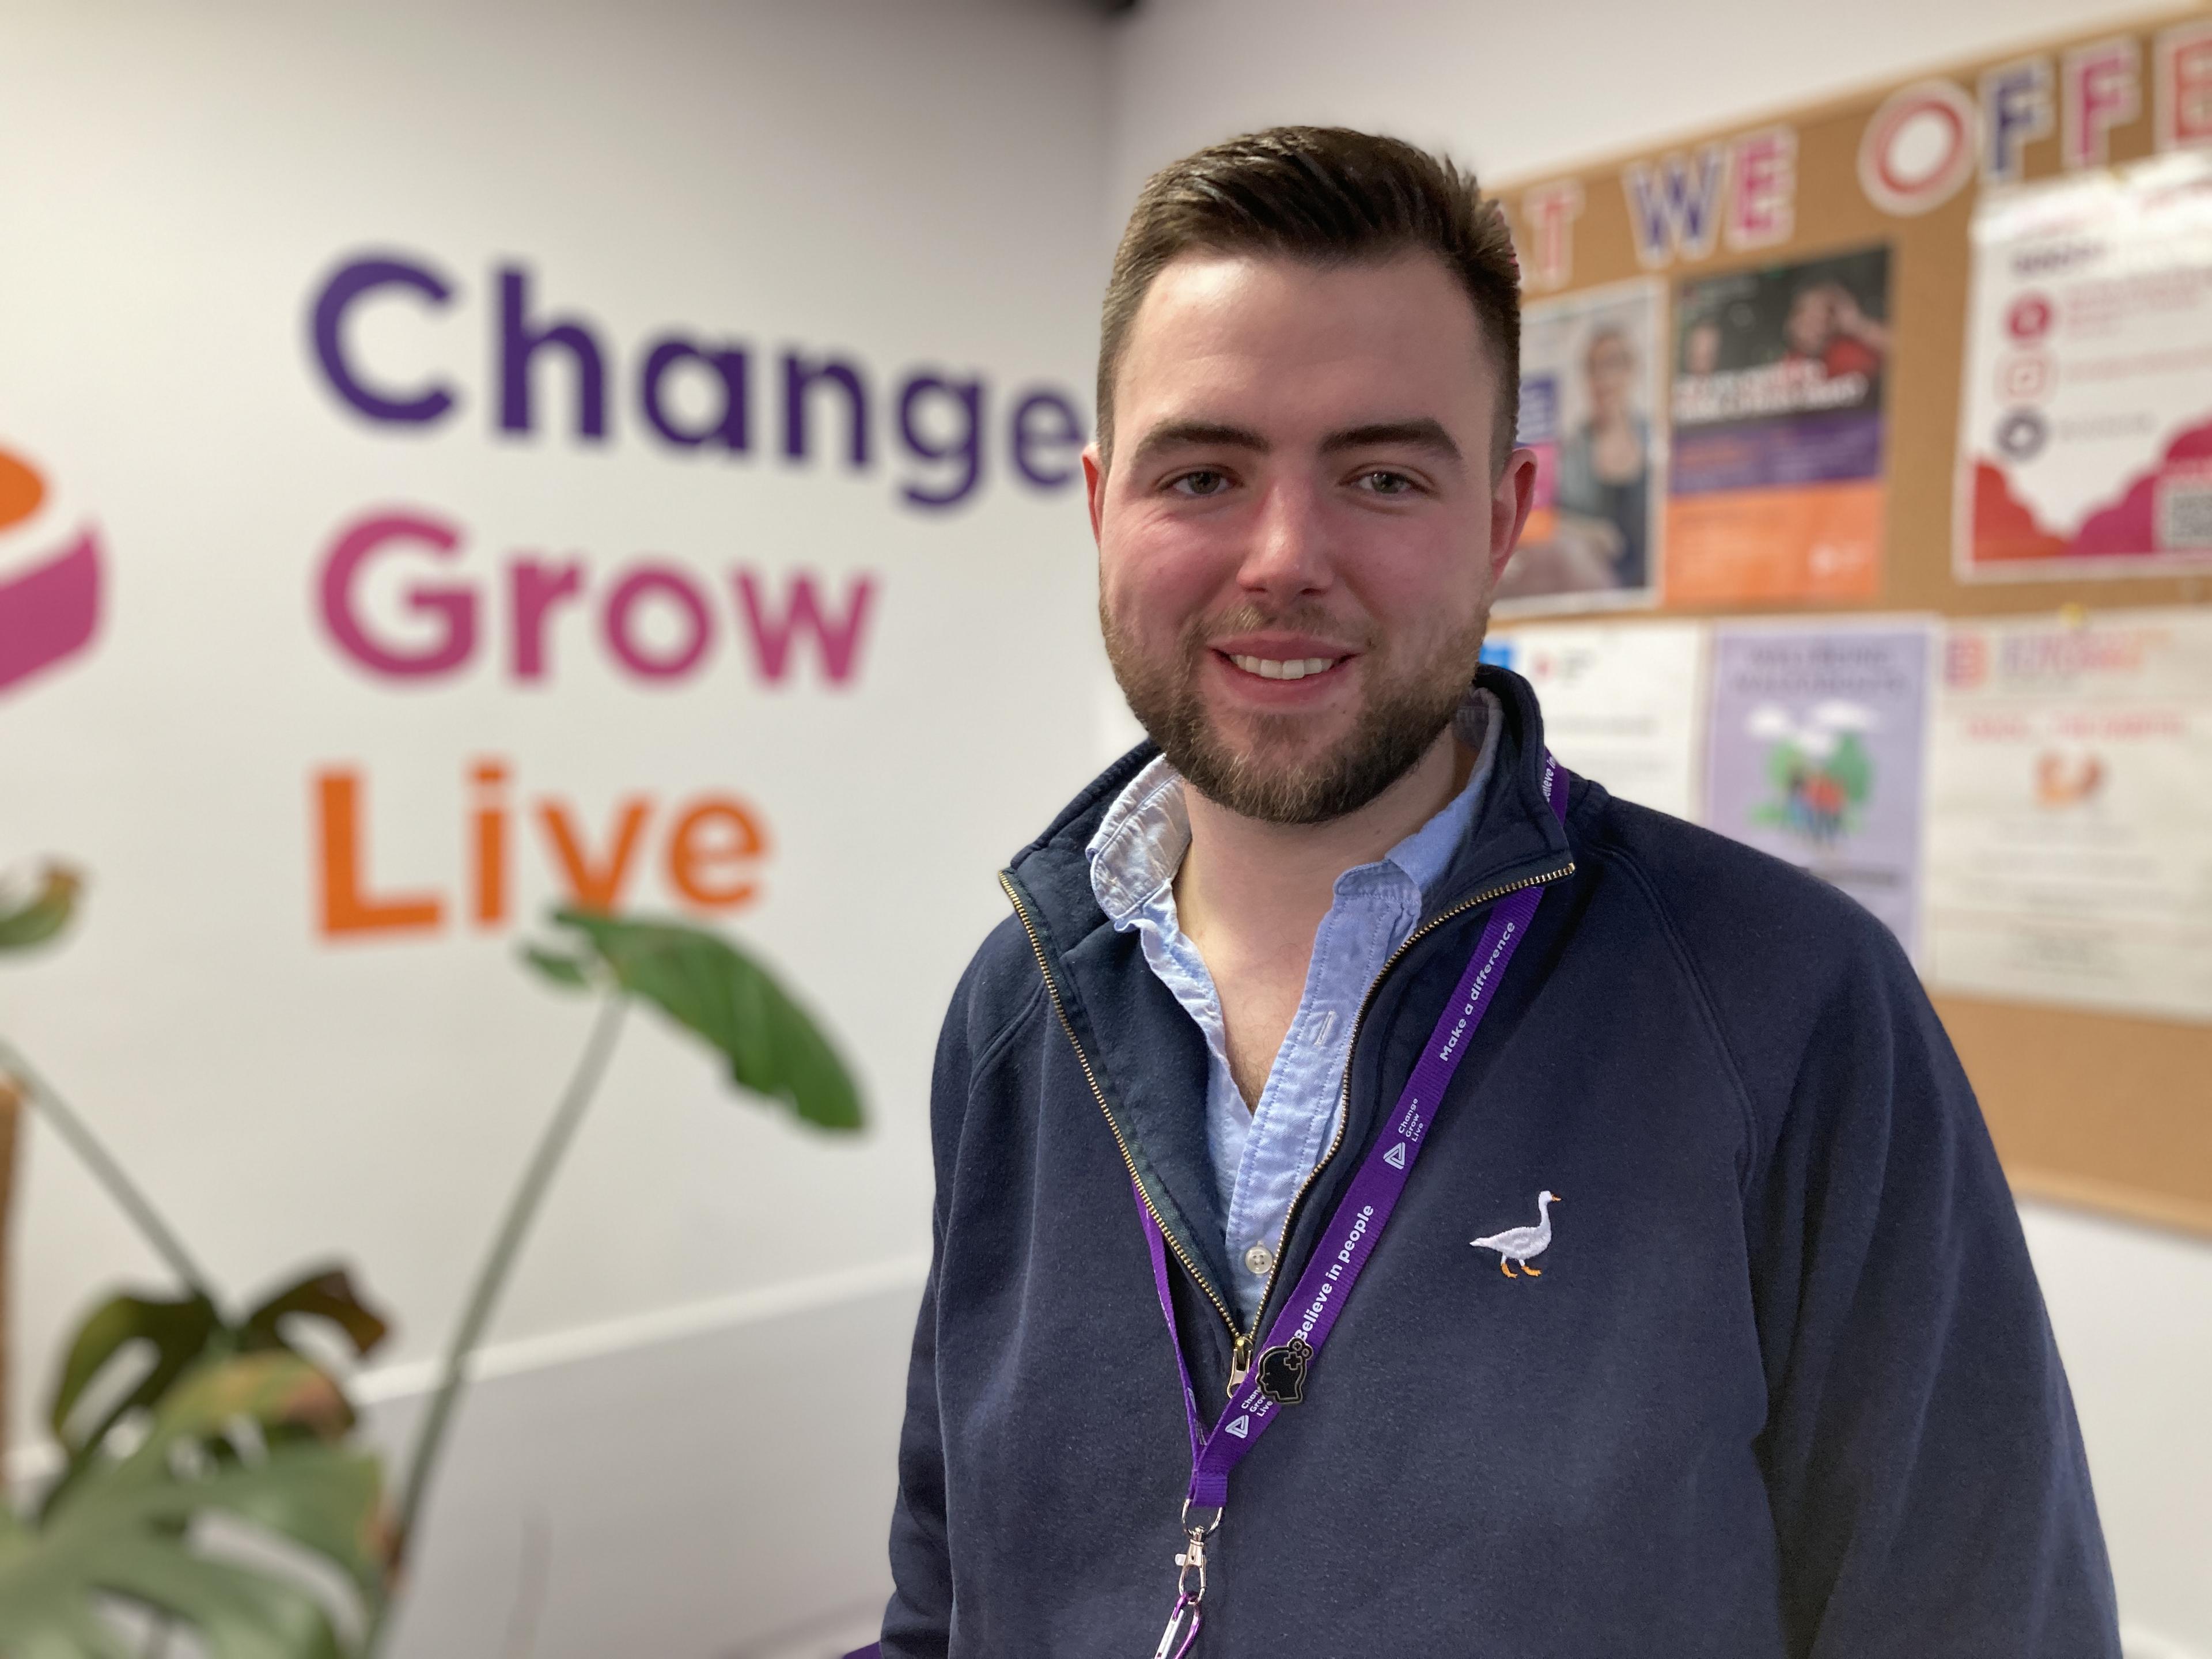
<point>1520,1244</point>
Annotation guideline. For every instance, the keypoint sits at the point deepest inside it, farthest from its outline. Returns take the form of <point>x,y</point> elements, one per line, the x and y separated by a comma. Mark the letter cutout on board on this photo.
<point>2184,86</point>
<point>2015,113</point>
<point>1675,211</point>
<point>1550,211</point>
<point>1918,149</point>
<point>2102,91</point>
<point>1763,191</point>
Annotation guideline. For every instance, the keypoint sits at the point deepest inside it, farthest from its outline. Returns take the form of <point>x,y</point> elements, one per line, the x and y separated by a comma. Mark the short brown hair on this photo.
<point>1331,194</point>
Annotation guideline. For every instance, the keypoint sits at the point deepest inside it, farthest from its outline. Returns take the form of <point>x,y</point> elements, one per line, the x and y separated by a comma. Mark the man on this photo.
<point>1748,1358</point>
<point>1825,324</point>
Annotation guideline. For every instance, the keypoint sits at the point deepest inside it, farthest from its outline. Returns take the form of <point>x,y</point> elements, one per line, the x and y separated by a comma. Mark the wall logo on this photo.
<point>412,596</point>
<point>49,596</point>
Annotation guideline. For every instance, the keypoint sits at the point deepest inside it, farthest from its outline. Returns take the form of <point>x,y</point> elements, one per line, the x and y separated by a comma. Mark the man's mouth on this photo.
<point>1282,668</point>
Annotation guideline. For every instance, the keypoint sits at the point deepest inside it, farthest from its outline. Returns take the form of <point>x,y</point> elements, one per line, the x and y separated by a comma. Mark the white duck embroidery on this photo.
<point>1519,1243</point>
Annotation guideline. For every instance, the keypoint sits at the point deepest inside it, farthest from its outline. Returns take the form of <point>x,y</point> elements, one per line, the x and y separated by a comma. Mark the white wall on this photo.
<point>915,185</point>
<point>1520,89</point>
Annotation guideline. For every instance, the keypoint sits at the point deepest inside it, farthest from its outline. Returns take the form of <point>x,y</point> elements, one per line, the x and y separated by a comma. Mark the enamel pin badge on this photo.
<point>1520,1244</point>
<point>1282,1371</point>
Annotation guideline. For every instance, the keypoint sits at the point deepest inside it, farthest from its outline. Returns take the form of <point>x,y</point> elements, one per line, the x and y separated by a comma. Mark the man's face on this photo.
<point>1300,533</point>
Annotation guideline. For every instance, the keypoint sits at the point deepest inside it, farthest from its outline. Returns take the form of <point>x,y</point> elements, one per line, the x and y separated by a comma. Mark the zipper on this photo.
<point>1242,1343</point>
<point>1344,1098</point>
<point>1240,1346</point>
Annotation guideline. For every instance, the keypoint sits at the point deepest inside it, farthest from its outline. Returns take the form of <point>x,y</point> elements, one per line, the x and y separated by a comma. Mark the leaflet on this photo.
<point>1818,737</point>
<point>1590,387</point>
<point>2085,444</point>
<point>2071,847</point>
<point>1775,486</point>
<point>1620,702</point>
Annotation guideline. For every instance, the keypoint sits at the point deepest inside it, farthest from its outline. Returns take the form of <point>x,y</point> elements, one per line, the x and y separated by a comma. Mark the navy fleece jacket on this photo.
<point>1785,1387</point>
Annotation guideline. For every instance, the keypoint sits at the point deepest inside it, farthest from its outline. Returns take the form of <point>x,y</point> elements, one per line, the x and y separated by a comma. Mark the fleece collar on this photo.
<point>1147,1056</point>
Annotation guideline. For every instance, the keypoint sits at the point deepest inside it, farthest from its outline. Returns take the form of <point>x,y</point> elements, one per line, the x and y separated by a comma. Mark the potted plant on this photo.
<point>225,1419</point>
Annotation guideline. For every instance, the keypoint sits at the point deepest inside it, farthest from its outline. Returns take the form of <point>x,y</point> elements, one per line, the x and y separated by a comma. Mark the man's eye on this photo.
<point>1201,482</point>
<point>1386,483</point>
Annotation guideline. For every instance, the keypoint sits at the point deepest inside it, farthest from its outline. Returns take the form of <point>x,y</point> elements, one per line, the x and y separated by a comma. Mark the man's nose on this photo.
<point>1289,552</point>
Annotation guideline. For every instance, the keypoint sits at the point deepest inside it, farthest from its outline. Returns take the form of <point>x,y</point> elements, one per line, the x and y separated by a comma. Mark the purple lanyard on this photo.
<point>1278,1377</point>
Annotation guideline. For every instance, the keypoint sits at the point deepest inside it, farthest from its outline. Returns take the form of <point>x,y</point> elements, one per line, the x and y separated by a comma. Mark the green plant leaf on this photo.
<point>125,1530</point>
<point>180,1332</point>
<point>45,914</point>
<point>327,1294</point>
<point>709,988</point>
<point>564,971</point>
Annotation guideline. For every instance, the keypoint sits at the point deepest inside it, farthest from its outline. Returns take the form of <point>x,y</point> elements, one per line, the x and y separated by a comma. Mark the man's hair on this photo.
<point>1331,196</point>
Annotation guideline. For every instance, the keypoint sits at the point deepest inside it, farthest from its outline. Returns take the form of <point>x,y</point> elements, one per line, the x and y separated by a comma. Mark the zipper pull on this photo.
<point>1240,1362</point>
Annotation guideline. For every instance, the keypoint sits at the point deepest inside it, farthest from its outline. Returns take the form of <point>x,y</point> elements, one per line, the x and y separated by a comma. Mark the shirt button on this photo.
<point>1258,1258</point>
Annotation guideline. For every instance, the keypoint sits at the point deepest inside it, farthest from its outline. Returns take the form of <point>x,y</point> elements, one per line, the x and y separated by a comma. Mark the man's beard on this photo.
<point>1272,780</point>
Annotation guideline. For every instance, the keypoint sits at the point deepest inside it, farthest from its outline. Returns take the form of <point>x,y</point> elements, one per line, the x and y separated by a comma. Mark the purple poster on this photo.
<point>1816,753</point>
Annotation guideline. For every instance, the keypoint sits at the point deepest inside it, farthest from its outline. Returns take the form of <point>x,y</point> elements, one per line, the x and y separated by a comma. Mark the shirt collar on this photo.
<point>1140,842</point>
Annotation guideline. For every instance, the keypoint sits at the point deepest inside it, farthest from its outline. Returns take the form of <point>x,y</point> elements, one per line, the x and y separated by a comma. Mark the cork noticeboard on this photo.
<point>2086,1108</point>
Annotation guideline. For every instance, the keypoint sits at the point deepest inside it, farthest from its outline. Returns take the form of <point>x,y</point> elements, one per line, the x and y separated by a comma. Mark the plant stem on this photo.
<point>105,1170</point>
<point>491,1280</point>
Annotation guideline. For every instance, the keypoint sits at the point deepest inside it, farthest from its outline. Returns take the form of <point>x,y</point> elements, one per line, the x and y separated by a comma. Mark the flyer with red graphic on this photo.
<point>2069,852</point>
<point>2086,439</point>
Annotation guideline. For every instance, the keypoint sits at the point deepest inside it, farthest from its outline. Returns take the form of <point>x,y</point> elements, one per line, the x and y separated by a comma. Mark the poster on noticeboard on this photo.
<point>1590,390</point>
<point>2070,854</point>
<point>1776,486</point>
<point>1620,702</point>
<point>1816,741</point>
<point>2085,444</point>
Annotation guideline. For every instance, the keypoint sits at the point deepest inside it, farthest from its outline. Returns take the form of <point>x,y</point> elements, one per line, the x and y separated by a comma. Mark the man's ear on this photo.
<point>1511,498</point>
<point>1094,484</point>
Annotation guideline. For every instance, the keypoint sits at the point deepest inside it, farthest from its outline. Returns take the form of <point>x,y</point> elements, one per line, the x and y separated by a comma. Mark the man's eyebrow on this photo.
<point>1183,435</point>
<point>1421,432</point>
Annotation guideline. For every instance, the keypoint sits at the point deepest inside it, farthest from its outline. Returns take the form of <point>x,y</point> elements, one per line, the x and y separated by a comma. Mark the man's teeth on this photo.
<point>1286,668</point>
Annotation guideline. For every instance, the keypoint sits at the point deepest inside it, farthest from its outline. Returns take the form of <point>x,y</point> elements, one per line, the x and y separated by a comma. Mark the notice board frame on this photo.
<point>2096,1109</point>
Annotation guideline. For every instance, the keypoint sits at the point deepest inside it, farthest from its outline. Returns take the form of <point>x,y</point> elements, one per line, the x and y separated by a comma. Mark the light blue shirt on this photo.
<point>1262,1155</point>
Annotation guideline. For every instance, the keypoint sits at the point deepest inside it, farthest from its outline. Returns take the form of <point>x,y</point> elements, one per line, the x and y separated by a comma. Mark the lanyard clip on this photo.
<point>1183,1619</point>
<point>1190,1581</point>
<point>1191,1560</point>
